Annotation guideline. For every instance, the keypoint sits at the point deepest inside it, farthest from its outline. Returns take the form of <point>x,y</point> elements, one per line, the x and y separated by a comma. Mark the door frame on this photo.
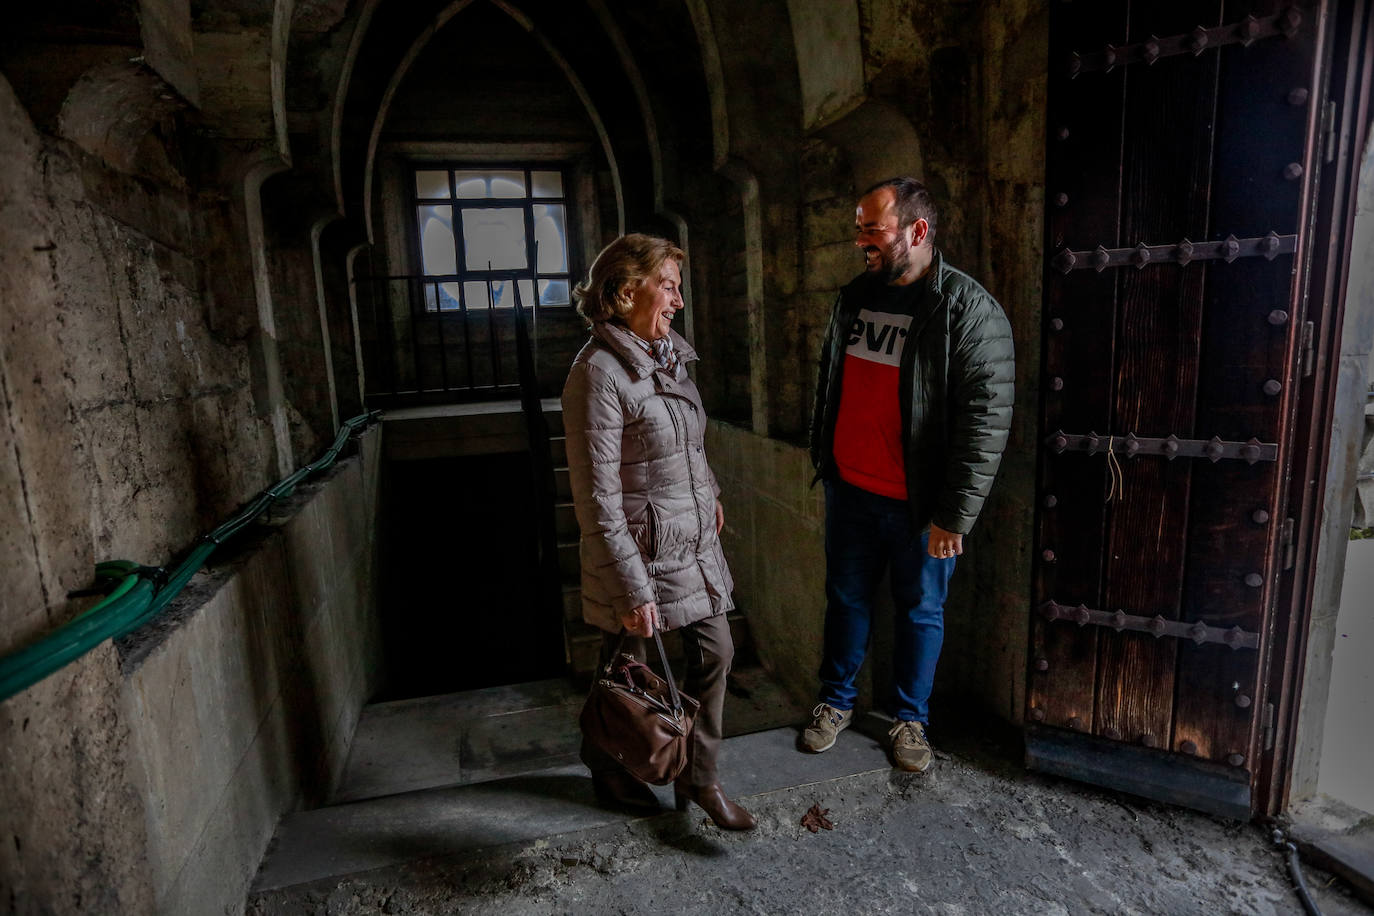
<point>1335,145</point>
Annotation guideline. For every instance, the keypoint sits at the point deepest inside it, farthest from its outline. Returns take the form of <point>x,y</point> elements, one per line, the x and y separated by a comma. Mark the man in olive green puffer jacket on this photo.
<point>913,408</point>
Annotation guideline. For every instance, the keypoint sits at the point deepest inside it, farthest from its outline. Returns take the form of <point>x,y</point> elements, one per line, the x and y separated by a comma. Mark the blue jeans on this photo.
<point>865,535</point>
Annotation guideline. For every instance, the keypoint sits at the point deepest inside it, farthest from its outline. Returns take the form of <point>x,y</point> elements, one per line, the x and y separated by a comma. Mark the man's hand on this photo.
<point>944,544</point>
<point>720,517</point>
<point>642,620</point>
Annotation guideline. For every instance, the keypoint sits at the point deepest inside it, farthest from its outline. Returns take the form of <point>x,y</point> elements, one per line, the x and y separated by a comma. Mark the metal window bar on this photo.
<point>534,288</point>
<point>491,329</point>
<point>415,356</point>
<point>526,204</point>
<point>467,340</point>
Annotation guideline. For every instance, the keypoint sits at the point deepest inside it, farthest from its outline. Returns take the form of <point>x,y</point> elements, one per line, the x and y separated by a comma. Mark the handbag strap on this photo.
<point>667,669</point>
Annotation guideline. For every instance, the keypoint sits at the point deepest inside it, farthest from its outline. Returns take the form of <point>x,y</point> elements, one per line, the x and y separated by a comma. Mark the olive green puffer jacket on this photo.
<point>955,380</point>
<point>644,496</point>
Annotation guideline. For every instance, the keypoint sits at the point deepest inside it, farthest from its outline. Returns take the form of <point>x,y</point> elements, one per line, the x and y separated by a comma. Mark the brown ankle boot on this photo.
<point>723,812</point>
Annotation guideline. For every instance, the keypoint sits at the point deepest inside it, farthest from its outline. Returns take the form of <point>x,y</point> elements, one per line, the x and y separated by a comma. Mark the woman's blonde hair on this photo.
<point>622,265</point>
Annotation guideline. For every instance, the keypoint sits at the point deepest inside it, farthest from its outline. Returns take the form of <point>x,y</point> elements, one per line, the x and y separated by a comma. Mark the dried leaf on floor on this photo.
<point>815,818</point>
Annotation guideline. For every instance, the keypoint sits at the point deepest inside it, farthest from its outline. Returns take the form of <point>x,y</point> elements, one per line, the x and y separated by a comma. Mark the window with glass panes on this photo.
<point>475,223</point>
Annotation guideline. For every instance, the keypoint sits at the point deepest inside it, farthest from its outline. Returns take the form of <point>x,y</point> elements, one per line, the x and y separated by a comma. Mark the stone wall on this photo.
<point>981,152</point>
<point>773,543</point>
<point>135,414</point>
<point>988,620</point>
<point>148,776</point>
<point>129,419</point>
<point>127,427</point>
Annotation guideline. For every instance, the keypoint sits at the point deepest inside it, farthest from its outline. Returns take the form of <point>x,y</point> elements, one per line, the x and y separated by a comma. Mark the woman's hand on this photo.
<point>641,621</point>
<point>720,517</point>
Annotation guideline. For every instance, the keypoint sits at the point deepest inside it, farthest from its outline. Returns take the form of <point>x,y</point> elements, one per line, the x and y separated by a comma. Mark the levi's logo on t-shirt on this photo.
<point>877,336</point>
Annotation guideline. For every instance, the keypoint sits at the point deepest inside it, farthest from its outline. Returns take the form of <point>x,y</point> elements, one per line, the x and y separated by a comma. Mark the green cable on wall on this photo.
<point>140,593</point>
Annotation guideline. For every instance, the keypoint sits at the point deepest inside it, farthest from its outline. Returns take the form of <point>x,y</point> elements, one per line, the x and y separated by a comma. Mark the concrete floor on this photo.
<point>976,834</point>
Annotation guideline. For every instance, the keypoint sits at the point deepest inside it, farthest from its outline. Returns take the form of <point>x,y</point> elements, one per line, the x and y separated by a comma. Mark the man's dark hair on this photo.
<point>914,201</point>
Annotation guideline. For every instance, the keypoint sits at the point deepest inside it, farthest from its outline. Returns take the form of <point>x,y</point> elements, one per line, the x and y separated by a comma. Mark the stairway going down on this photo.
<point>453,774</point>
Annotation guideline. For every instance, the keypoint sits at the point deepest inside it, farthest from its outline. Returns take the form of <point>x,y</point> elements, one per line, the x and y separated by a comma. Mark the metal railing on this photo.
<point>541,463</point>
<point>136,594</point>
<point>424,342</point>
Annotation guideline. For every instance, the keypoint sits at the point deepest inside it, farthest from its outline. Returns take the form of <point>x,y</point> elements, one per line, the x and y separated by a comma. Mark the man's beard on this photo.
<point>893,261</point>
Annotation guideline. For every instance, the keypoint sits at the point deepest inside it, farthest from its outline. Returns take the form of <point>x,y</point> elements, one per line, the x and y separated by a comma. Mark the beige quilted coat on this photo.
<point>644,495</point>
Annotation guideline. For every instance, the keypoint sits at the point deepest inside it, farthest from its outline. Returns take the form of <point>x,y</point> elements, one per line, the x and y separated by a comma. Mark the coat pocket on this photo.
<point>679,434</point>
<point>651,532</point>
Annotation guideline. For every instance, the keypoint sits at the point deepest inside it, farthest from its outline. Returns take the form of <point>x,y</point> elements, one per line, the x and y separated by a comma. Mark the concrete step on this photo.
<point>480,735</point>
<point>558,445</point>
<point>572,602</point>
<point>565,522</point>
<point>584,649</point>
<point>329,843</point>
<point>569,564</point>
<point>562,486</point>
<point>1337,838</point>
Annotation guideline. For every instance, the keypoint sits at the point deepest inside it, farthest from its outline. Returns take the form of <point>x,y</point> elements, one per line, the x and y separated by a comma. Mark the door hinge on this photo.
<point>1307,352</point>
<point>1329,132</point>
<point>1287,549</point>
<point>1267,726</point>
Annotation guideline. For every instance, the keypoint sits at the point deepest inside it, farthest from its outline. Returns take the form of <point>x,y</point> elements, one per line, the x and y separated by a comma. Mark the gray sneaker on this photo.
<point>820,735</point>
<point>910,749</point>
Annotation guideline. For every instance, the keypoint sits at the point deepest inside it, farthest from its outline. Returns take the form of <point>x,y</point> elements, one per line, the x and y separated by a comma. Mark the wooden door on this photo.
<point>1181,136</point>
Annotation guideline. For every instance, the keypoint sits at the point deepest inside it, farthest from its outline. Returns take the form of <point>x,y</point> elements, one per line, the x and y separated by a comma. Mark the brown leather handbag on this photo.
<point>639,718</point>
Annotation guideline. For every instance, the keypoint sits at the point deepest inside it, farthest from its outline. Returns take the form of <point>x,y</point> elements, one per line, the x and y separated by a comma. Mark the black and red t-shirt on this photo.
<point>868,428</point>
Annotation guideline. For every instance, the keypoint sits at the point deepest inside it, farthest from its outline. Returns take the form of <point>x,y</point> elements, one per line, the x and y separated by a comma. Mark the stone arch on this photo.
<point>829,59</point>
<point>715,79</point>
<point>750,131</point>
<point>746,184</point>
<point>281,39</point>
<point>317,230</point>
<point>340,102</point>
<point>879,140</point>
<point>266,360</point>
<point>412,53</point>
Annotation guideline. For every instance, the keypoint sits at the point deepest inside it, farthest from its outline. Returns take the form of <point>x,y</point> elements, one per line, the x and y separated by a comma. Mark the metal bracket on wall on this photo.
<point>1244,32</point>
<point>1228,249</point>
<point>1131,445</point>
<point>1156,626</point>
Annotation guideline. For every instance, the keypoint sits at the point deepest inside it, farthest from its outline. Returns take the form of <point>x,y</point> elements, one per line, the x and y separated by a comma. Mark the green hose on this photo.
<point>140,593</point>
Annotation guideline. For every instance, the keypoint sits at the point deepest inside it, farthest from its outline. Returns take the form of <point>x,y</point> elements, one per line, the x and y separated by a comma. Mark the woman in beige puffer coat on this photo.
<point>647,502</point>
